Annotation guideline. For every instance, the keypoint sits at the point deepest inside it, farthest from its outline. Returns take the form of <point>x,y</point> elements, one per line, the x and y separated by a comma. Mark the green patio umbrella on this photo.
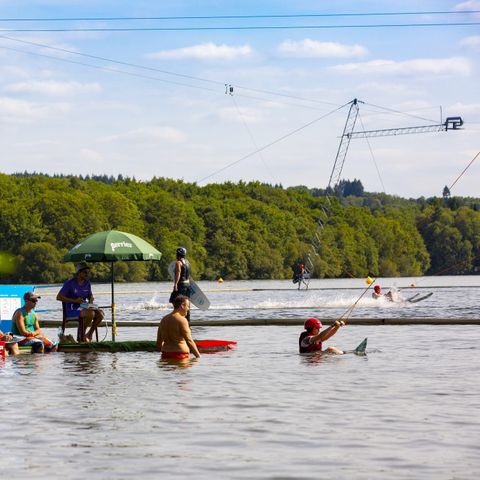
<point>112,246</point>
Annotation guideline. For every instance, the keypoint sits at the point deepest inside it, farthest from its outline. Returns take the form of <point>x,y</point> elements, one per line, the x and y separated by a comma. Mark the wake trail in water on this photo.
<point>315,301</point>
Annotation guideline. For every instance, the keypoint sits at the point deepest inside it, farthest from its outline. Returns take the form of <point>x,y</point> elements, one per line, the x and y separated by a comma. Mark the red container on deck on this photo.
<point>3,347</point>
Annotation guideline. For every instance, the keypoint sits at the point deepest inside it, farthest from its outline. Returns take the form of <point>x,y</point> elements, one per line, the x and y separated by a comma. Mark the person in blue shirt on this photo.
<point>76,293</point>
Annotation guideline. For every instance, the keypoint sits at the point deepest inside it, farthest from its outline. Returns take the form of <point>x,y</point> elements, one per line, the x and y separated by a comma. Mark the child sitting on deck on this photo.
<point>311,339</point>
<point>12,347</point>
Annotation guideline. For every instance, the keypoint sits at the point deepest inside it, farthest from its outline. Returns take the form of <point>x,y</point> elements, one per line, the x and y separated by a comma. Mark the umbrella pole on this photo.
<point>114,324</point>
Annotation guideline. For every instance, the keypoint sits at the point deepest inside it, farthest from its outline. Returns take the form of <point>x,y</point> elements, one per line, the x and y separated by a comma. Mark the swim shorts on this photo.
<point>175,355</point>
<point>36,342</point>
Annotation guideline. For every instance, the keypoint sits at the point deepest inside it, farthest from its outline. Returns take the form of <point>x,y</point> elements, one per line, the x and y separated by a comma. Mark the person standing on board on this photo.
<point>299,275</point>
<point>181,278</point>
<point>174,338</point>
<point>311,339</point>
<point>25,324</point>
<point>78,291</point>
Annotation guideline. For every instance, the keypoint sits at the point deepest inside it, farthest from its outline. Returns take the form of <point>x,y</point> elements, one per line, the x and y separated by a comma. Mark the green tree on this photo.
<point>39,262</point>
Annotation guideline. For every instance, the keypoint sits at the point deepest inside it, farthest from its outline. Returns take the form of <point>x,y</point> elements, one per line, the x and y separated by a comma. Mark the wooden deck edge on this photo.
<point>296,321</point>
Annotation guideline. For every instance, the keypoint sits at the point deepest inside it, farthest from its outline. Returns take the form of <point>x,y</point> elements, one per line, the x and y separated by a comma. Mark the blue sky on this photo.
<point>62,112</point>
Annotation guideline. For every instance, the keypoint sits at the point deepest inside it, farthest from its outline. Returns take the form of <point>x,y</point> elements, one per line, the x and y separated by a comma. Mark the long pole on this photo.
<point>114,324</point>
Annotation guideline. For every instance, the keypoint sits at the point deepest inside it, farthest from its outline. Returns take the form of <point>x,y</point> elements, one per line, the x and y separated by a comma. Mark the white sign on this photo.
<point>8,307</point>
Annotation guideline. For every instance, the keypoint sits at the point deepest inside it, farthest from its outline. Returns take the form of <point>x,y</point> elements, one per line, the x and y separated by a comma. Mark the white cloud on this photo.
<point>468,5</point>
<point>13,71</point>
<point>463,108</point>
<point>51,87</point>
<point>19,111</point>
<point>16,108</point>
<point>204,51</point>
<point>389,87</point>
<point>91,156</point>
<point>168,134</point>
<point>421,66</point>
<point>247,115</point>
<point>473,41</point>
<point>313,49</point>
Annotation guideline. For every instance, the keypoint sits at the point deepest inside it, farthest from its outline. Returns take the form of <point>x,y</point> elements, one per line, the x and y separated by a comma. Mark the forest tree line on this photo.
<point>233,230</point>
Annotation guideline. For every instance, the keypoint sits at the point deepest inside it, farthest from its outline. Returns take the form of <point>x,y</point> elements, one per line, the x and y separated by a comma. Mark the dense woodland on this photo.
<point>234,231</point>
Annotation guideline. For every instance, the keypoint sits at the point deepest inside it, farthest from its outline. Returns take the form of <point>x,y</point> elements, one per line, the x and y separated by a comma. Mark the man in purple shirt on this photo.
<point>76,293</point>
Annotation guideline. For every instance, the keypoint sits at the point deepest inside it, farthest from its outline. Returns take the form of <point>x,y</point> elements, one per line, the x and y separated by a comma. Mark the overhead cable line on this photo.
<point>373,156</point>
<point>107,69</point>
<point>191,77</point>
<point>391,110</point>
<point>283,137</point>
<point>247,27</point>
<point>464,170</point>
<point>375,113</point>
<point>166,72</point>
<point>148,77</point>
<point>240,17</point>
<point>176,74</point>
<point>250,134</point>
<point>105,59</point>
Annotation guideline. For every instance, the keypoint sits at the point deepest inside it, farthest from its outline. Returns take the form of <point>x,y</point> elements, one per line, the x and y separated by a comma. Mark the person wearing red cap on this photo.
<point>311,339</point>
<point>377,293</point>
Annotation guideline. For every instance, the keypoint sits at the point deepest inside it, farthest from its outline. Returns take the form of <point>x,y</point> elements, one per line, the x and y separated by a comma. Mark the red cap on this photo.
<point>312,323</point>
<point>377,288</point>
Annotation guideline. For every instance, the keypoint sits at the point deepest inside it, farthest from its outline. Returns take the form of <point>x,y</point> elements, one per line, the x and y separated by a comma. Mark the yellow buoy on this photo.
<point>220,280</point>
<point>369,280</point>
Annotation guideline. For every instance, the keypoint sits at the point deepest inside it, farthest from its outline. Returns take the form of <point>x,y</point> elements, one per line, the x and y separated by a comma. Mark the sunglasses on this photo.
<point>33,301</point>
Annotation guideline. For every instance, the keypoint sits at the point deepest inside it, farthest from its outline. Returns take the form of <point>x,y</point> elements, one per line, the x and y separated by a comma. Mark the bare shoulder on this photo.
<point>166,319</point>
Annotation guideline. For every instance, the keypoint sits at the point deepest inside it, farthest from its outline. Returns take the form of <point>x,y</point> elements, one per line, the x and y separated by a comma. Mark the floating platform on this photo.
<point>204,346</point>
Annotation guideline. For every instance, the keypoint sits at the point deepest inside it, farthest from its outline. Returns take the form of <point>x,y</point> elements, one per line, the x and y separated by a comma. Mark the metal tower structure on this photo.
<point>451,123</point>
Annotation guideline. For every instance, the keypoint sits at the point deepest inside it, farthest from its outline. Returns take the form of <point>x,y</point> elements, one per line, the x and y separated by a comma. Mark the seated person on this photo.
<point>76,292</point>
<point>25,323</point>
<point>311,339</point>
<point>377,293</point>
<point>12,347</point>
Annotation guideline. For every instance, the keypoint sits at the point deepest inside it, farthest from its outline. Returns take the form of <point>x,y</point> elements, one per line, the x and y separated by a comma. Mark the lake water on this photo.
<point>409,409</point>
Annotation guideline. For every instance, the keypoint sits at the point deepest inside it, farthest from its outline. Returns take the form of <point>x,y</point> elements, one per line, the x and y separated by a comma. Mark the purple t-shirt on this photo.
<point>72,289</point>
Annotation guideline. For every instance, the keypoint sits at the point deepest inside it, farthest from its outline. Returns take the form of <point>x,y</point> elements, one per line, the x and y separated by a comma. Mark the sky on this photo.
<point>212,99</point>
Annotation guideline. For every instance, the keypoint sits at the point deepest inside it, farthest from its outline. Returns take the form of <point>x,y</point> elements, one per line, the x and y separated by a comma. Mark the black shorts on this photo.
<point>182,290</point>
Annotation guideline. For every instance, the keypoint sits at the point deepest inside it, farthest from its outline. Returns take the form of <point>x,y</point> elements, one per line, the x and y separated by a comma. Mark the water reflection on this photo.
<point>313,358</point>
<point>310,359</point>
<point>84,363</point>
<point>28,364</point>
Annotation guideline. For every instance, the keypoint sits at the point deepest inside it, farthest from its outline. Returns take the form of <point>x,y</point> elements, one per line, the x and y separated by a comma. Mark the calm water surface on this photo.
<point>409,409</point>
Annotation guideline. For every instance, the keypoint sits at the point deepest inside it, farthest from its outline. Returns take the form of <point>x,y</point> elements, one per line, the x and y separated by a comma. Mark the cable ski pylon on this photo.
<point>451,123</point>
<point>342,150</point>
